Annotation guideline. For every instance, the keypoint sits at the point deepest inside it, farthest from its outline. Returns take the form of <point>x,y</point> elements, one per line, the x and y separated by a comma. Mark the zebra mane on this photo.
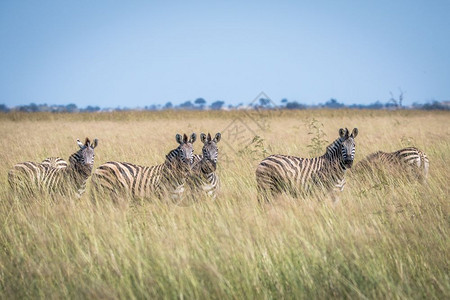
<point>74,158</point>
<point>334,146</point>
<point>369,159</point>
<point>375,155</point>
<point>172,155</point>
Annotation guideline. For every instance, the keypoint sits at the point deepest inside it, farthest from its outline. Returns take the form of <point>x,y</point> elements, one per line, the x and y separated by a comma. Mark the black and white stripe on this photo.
<point>127,179</point>
<point>51,177</point>
<point>204,177</point>
<point>294,175</point>
<point>410,161</point>
<point>54,162</point>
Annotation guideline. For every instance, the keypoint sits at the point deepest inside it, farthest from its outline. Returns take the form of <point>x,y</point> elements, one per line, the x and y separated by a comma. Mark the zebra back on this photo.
<point>408,160</point>
<point>127,179</point>
<point>54,162</point>
<point>28,177</point>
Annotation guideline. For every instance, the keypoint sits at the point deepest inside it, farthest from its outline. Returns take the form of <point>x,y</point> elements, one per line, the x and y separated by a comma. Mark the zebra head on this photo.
<point>348,146</point>
<point>186,149</point>
<point>210,151</point>
<point>84,158</point>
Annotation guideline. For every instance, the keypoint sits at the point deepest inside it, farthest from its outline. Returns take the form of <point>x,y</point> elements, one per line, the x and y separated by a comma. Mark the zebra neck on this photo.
<point>172,165</point>
<point>172,168</point>
<point>77,172</point>
<point>334,156</point>
<point>172,155</point>
<point>207,167</point>
<point>172,174</point>
<point>377,156</point>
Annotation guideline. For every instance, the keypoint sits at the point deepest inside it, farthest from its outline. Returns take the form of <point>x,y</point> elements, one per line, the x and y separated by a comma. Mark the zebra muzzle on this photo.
<point>348,163</point>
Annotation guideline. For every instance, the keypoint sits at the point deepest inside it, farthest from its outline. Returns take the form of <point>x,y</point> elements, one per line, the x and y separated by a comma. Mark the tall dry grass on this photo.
<point>387,237</point>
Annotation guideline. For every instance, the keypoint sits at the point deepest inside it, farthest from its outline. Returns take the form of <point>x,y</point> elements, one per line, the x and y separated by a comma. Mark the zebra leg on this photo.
<point>268,188</point>
<point>422,169</point>
<point>177,195</point>
<point>334,197</point>
<point>23,185</point>
<point>425,167</point>
<point>266,195</point>
<point>96,195</point>
<point>102,194</point>
<point>295,192</point>
<point>262,197</point>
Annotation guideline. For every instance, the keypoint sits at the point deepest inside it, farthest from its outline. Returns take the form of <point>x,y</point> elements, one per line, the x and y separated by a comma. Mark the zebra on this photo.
<point>294,175</point>
<point>410,160</point>
<point>54,162</point>
<point>138,182</point>
<point>204,176</point>
<point>30,177</point>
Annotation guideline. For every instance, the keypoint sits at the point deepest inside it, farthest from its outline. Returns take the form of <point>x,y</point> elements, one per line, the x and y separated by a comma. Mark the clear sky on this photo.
<point>137,53</point>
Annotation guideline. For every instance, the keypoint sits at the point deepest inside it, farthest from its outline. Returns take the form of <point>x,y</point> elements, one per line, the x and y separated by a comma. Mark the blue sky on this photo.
<point>137,53</point>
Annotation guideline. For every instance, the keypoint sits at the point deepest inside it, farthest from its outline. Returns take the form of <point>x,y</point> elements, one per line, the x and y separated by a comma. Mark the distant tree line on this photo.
<point>260,104</point>
<point>33,107</point>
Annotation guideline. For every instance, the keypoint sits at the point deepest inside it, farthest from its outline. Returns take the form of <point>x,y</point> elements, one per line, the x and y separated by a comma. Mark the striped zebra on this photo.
<point>54,162</point>
<point>295,175</point>
<point>204,177</point>
<point>410,161</point>
<point>51,178</point>
<point>127,179</point>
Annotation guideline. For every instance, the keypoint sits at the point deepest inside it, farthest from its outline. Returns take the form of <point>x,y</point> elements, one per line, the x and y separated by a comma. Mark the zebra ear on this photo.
<point>179,138</point>
<point>217,137</point>
<point>203,137</point>
<point>95,143</point>
<point>80,144</point>
<point>354,132</point>
<point>342,132</point>
<point>193,138</point>
<point>346,133</point>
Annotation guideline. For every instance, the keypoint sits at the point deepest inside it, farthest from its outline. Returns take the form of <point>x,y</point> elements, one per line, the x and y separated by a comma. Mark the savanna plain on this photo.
<point>387,237</point>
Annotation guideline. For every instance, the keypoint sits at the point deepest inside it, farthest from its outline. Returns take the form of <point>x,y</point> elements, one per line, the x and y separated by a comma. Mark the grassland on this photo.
<point>387,237</point>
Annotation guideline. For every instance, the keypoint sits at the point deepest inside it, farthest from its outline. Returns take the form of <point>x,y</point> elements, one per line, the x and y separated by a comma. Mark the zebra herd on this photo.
<point>181,170</point>
<point>184,172</point>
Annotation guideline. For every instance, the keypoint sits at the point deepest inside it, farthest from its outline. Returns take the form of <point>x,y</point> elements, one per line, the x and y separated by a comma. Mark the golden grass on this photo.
<point>387,237</point>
